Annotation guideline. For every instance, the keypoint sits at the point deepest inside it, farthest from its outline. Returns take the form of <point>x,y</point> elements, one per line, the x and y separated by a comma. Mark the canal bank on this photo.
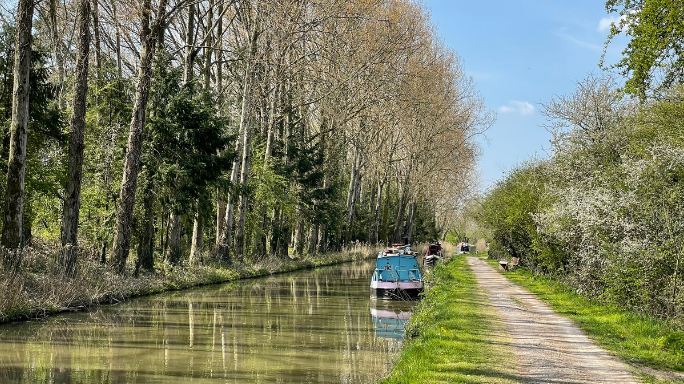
<point>40,289</point>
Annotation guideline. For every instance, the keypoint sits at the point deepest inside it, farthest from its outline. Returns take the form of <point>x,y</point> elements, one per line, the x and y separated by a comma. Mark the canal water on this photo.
<point>314,326</point>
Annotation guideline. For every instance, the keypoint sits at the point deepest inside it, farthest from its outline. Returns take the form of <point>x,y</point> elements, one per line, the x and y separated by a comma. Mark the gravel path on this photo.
<point>549,348</point>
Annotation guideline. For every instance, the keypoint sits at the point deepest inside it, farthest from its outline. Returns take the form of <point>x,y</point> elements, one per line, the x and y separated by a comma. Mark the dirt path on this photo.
<point>549,348</point>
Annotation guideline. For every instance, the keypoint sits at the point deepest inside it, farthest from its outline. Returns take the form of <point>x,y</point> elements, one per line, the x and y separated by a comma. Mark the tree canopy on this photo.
<point>654,58</point>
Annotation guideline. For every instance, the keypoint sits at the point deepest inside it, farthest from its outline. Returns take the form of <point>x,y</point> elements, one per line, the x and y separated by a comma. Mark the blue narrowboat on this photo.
<point>396,276</point>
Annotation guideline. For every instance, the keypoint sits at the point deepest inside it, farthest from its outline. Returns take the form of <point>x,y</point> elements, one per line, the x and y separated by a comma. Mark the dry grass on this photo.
<point>39,286</point>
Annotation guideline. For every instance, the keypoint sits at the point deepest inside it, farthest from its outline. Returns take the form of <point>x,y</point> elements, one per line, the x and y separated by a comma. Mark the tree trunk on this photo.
<point>173,246</point>
<point>189,45</point>
<point>352,185</point>
<point>323,239</point>
<point>196,253</point>
<point>12,231</point>
<point>124,213</point>
<point>411,222</point>
<point>223,248</point>
<point>224,245</point>
<point>145,258</point>
<point>164,238</point>
<point>208,51</point>
<point>220,214</point>
<point>274,241</point>
<point>299,237</point>
<point>242,209</point>
<point>96,35</point>
<point>321,235</point>
<point>399,228</point>
<point>313,241</point>
<point>220,202</point>
<point>384,221</point>
<point>273,115</point>
<point>59,57</point>
<point>352,195</point>
<point>117,37</point>
<point>371,209</point>
<point>72,199</point>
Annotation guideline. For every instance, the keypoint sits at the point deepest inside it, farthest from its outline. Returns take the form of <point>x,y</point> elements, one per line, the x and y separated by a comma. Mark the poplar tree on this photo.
<point>72,200</point>
<point>12,230</point>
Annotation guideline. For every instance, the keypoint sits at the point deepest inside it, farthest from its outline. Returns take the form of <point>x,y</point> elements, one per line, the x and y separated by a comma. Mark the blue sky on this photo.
<point>521,53</point>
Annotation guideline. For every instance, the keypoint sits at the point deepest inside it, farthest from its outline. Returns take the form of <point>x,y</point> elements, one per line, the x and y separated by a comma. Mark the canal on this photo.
<point>314,326</point>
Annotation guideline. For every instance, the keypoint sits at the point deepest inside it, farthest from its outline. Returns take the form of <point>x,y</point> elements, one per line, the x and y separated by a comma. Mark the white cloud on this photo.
<point>521,107</point>
<point>606,22</point>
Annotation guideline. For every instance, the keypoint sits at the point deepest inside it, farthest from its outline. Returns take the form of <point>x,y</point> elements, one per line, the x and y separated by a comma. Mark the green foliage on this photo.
<point>605,213</point>
<point>653,59</point>
<point>46,138</point>
<point>509,211</point>
<point>185,138</point>
<point>107,118</point>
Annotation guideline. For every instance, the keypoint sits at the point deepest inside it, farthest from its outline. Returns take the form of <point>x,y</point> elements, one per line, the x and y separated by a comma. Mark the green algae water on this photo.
<point>315,326</point>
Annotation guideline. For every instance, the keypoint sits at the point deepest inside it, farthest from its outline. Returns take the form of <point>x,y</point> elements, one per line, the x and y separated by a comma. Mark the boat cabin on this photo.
<point>396,276</point>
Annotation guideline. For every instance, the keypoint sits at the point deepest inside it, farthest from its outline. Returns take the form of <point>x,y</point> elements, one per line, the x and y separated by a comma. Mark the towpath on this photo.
<point>548,348</point>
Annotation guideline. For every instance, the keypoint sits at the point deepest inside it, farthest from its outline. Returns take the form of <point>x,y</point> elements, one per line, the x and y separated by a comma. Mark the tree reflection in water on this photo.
<point>309,326</point>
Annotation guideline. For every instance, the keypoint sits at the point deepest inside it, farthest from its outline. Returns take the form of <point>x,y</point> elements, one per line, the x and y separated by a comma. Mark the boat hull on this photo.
<point>395,294</point>
<point>396,291</point>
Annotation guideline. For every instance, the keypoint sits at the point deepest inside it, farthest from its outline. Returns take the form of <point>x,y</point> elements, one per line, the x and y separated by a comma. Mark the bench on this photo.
<point>503,265</point>
<point>509,265</point>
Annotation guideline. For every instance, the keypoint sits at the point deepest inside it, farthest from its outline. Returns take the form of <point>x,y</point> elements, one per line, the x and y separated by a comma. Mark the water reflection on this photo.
<point>310,326</point>
<point>390,318</point>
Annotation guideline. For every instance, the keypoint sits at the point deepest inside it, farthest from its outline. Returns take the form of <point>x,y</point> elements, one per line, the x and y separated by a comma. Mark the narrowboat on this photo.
<point>396,276</point>
<point>433,254</point>
<point>465,248</point>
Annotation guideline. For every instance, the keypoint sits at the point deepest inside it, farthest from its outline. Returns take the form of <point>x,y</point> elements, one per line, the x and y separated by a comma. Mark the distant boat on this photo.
<point>433,254</point>
<point>465,248</point>
<point>396,275</point>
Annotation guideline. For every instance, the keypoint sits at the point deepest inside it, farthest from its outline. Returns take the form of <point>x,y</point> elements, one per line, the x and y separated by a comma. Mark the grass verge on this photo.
<point>455,335</point>
<point>39,288</point>
<point>655,348</point>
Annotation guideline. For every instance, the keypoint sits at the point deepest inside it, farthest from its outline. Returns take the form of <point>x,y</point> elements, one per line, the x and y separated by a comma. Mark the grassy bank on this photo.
<point>454,335</point>
<point>654,347</point>
<point>39,288</point>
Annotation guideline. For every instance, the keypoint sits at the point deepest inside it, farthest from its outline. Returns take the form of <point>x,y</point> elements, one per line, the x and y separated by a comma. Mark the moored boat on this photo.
<point>396,276</point>
<point>433,254</point>
<point>465,248</point>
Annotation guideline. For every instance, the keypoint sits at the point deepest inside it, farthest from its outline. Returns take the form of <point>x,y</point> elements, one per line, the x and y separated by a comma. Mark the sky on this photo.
<point>520,54</point>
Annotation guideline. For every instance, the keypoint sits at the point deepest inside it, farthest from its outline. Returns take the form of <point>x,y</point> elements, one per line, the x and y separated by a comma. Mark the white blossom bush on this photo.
<point>606,212</point>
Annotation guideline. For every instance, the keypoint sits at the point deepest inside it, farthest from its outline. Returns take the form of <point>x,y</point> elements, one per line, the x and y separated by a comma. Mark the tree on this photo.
<point>72,200</point>
<point>654,57</point>
<point>12,230</point>
<point>149,34</point>
<point>182,153</point>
